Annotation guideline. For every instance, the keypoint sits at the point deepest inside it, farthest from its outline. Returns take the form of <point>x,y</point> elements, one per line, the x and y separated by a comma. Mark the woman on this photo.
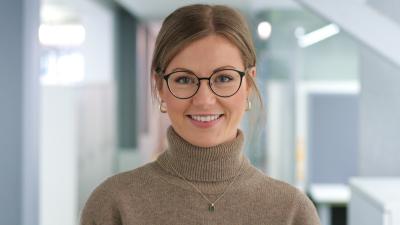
<point>203,68</point>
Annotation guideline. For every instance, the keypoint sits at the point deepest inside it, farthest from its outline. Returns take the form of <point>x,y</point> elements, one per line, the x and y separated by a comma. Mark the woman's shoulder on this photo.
<point>267,182</point>
<point>105,199</point>
<point>275,188</point>
<point>284,196</point>
<point>141,175</point>
<point>115,186</point>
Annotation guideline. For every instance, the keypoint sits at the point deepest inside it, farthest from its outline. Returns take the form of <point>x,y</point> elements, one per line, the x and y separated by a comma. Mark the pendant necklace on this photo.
<point>211,205</point>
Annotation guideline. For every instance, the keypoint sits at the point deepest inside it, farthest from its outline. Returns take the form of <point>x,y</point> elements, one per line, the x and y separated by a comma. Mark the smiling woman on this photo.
<point>203,70</point>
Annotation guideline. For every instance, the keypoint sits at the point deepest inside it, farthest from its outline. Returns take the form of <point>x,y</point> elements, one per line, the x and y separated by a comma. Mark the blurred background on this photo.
<point>76,107</point>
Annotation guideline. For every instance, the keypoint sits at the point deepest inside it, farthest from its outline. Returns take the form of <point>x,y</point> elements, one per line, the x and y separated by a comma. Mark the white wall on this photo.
<point>280,146</point>
<point>77,148</point>
<point>380,116</point>
<point>98,48</point>
<point>59,156</point>
<point>389,8</point>
<point>380,108</point>
<point>78,127</point>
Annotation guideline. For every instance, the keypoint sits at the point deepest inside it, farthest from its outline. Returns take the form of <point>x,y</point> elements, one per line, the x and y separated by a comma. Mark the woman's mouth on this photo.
<point>206,118</point>
<point>205,121</point>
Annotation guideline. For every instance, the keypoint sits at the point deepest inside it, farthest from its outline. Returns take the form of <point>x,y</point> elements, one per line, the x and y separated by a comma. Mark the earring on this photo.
<point>162,109</point>
<point>248,105</point>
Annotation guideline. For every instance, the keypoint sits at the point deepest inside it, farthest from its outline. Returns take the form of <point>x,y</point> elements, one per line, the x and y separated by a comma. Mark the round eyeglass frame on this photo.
<point>241,73</point>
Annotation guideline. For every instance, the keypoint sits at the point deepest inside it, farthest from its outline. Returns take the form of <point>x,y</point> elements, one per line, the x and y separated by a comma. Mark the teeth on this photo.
<point>204,118</point>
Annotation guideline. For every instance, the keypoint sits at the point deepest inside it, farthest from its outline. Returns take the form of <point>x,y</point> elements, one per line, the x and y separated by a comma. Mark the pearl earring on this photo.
<point>162,109</point>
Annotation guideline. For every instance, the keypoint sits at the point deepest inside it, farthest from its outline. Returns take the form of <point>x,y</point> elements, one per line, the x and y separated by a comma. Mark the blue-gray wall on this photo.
<point>333,137</point>
<point>11,111</point>
<point>19,20</point>
<point>126,32</point>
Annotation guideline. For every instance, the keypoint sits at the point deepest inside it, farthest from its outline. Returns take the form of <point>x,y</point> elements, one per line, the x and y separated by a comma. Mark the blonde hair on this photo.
<point>193,22</point>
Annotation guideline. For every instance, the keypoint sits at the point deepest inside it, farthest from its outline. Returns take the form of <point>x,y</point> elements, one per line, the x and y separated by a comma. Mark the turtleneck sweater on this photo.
<point>154,194</point>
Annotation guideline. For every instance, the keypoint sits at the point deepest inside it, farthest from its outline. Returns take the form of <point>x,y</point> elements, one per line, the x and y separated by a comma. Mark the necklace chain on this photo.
<point>211,206</point>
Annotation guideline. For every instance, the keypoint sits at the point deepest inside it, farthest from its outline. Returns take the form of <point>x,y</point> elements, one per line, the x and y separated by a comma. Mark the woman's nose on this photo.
<point>204,95</point>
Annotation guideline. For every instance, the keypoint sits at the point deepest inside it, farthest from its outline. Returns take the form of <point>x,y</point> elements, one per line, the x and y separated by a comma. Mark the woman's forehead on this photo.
<point>207,53</point>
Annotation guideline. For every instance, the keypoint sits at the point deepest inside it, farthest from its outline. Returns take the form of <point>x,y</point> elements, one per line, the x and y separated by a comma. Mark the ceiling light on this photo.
<point>264,30</point>
<point>317,35</point>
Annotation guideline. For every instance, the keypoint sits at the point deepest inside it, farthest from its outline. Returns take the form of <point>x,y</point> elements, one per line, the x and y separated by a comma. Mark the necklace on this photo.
<point>211,205</point>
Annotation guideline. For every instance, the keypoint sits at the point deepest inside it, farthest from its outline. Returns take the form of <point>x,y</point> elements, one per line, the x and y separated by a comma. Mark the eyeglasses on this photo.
<point>184,84</point>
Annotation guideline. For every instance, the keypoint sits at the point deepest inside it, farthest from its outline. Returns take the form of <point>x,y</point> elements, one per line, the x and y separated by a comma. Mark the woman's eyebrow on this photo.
<point>224,67</point>
<point>181,69</point>
<point>216,69</point>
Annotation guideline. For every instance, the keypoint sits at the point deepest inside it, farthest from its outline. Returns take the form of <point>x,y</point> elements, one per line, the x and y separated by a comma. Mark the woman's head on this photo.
<point>203,40</point>
<point>193,22</point>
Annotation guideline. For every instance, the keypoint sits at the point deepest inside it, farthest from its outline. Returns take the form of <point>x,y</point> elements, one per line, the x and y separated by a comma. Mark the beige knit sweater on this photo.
<point>155,195</point>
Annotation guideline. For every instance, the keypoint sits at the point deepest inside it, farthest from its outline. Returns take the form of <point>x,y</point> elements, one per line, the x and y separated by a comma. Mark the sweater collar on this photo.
<point>217,163</point>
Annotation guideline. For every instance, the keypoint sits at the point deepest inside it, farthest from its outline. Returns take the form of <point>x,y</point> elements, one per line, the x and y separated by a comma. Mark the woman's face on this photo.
<point>222,115</point>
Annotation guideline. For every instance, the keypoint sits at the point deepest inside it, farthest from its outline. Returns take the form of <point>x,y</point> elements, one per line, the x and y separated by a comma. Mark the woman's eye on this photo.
<point>184,80</point>
<point>223,78</point>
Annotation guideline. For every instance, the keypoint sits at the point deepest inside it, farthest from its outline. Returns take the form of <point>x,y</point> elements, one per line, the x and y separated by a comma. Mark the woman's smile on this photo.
<point>205,120</point>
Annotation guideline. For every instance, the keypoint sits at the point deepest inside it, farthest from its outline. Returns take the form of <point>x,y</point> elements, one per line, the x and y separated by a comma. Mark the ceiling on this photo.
<point>158,9</point>
<point>153,10</point>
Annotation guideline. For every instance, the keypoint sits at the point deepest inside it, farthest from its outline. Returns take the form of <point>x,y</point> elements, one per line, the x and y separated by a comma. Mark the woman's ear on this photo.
<point>253,72</point>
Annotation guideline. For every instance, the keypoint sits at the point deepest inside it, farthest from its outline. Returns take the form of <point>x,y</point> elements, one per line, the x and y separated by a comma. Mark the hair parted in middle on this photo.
<point>193,22</point>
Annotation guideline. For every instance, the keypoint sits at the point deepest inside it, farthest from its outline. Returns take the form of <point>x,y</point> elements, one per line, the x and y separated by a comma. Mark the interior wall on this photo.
<point>388,7</point>
<point>19,100</point>
<point>58,156</point>
<point>11,80</point>
<point>127,78</point>
<point>98,49</point>
<point>380,121</point>
<point>332,137</point>
<point>380,108</point>
<point>78,121</point>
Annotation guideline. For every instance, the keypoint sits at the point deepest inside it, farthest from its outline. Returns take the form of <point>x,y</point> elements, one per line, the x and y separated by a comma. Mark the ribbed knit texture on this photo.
<point>155,195</point>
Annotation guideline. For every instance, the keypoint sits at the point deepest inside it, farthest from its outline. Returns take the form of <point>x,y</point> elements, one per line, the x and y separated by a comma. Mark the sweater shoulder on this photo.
<point>288,193</point>
<point>268,183</point>
<point>138,176</point>
<point>102,206</point>
<point>287,198</point>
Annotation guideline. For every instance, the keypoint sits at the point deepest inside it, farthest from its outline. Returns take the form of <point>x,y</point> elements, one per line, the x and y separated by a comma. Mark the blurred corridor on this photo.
<point>76,105</point>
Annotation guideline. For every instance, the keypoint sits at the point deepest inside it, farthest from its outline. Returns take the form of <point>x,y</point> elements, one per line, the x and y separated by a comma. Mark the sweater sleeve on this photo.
<point>101,208</point>
<point>304,212</point>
